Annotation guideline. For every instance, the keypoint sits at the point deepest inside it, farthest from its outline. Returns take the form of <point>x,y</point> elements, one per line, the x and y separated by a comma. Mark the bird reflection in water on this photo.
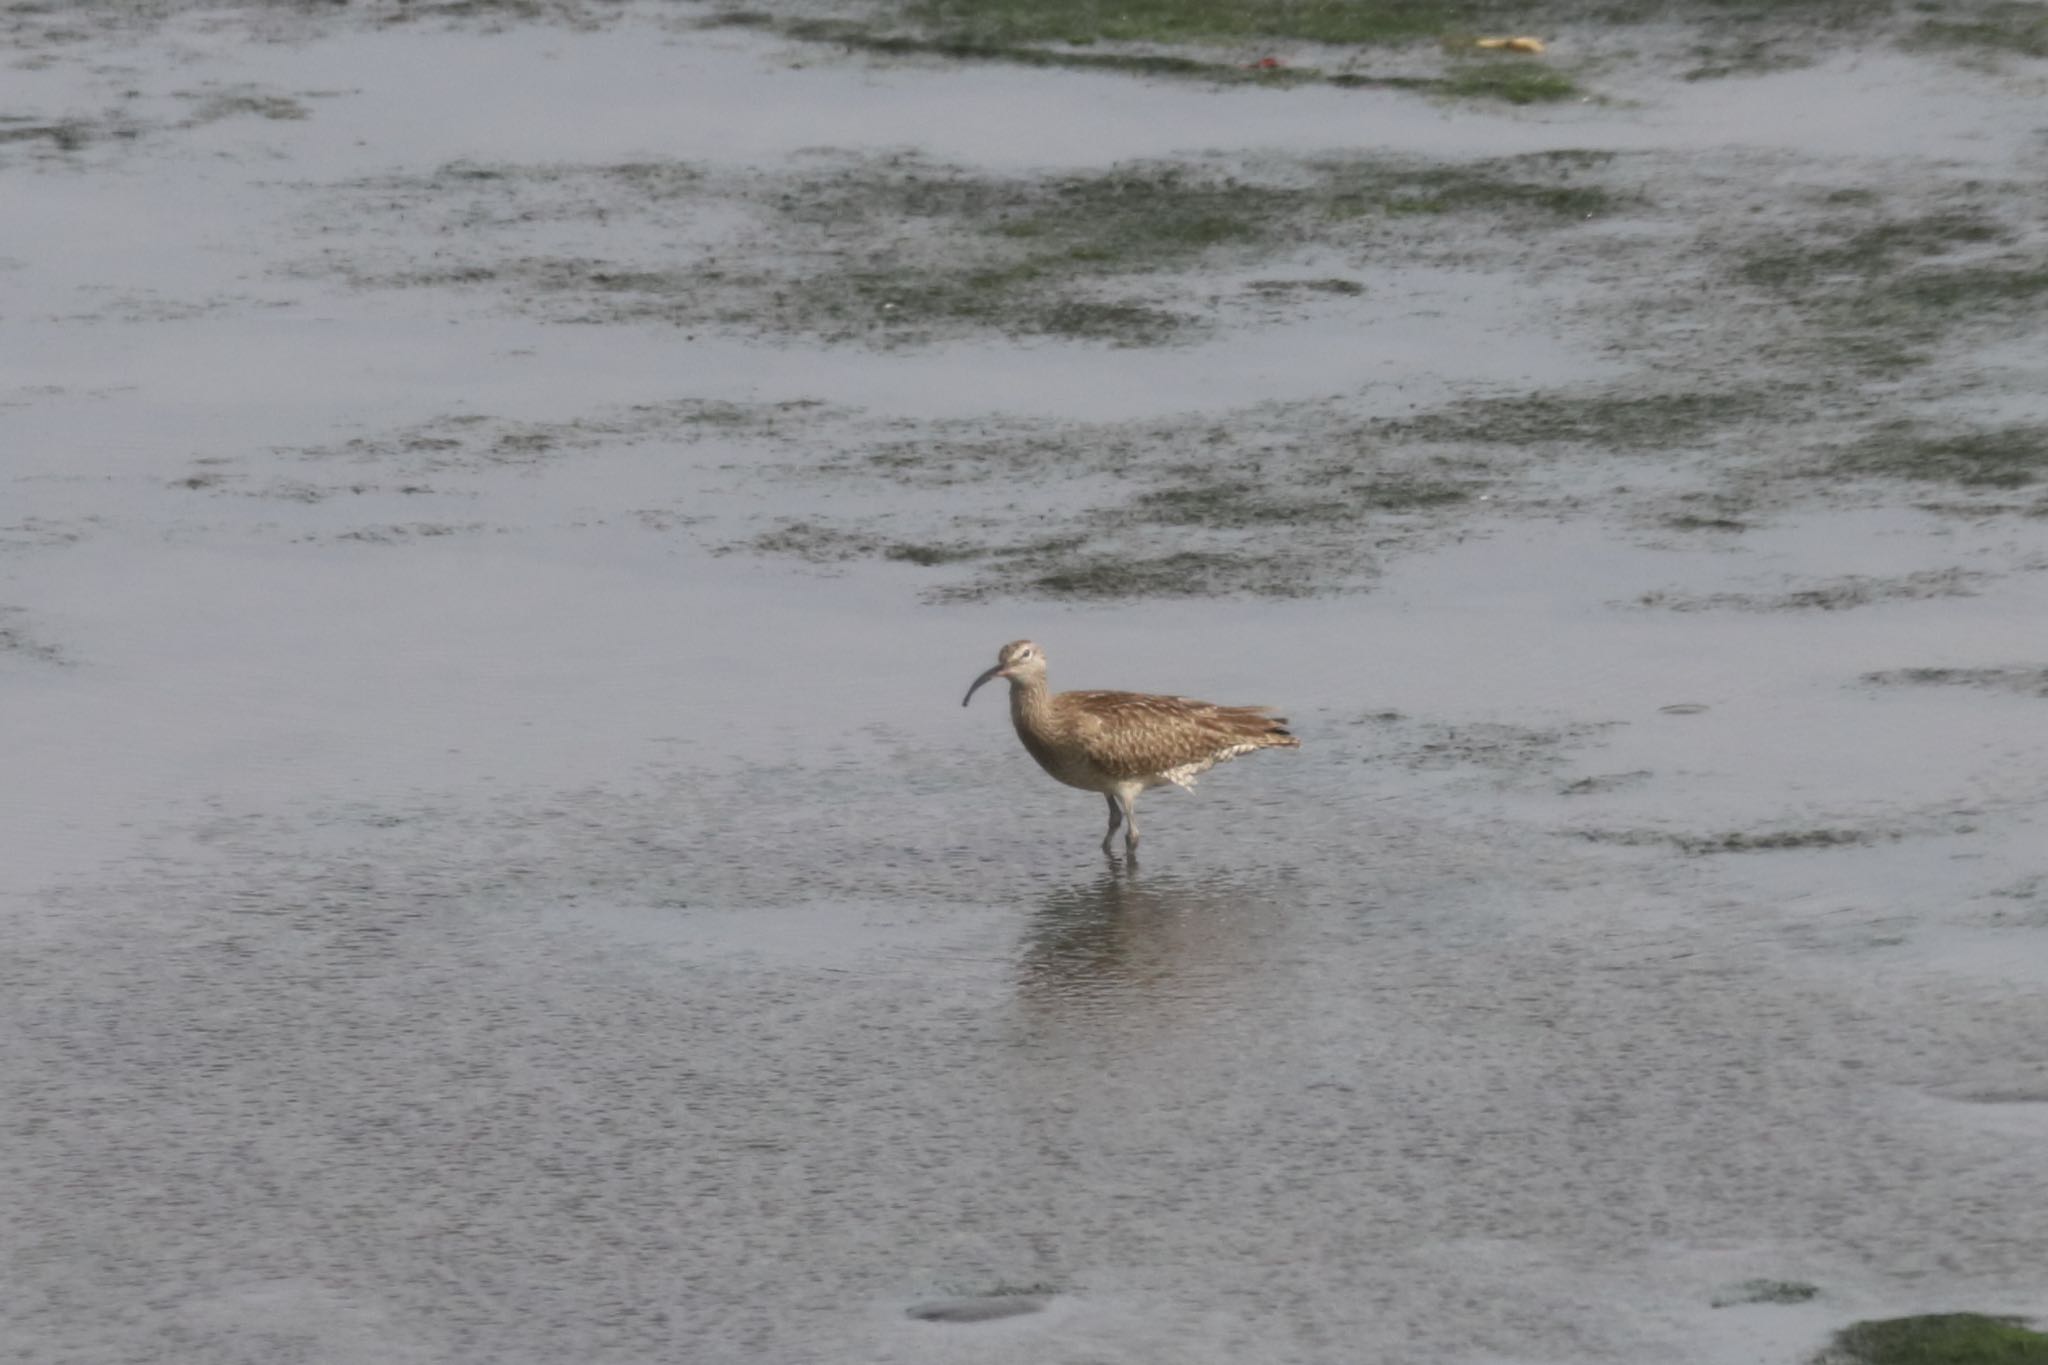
<point>1125,938</point>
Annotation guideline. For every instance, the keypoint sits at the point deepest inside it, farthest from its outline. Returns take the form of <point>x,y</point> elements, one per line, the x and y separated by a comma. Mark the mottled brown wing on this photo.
<point>1137,734</point>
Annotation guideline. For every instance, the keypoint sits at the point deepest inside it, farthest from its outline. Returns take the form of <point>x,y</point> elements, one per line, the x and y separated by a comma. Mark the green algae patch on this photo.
<point>1613,420</point>
<point>1542,186</point>
<point>1866,252</point>
<point>1766,1291</point>
<point>928,555</point>
<point>1282,288</point>
<point>1831,594</point>
<point>2019,29</point>
<point>1938,1339</point>
<point>1194,507</point>
<point>1719,58</point>
<point>815,543</point>
<point>1513,80</point>
<point>1192,21</point>
<point>1064,37</point>
<point>1880,294</point>
<point>1996,457</point>
<point>1183,573</point>
<point>63,135</point>
<point>975,48</point>
<point>245,102</point>
<point>896,250</point>
<point>1241,505</point>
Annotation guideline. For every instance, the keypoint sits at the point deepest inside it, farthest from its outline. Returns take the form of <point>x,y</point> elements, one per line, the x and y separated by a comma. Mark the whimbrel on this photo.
<point>1119,743</point>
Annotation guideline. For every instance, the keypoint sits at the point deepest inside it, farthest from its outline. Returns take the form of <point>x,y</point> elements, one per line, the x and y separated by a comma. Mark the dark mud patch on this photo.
<point>488,15</point>
<point>825,543</point>
<point>1599,784</point>
<point>204,479</point>
<point>1236,504</point>
<point>892,250</point>
<point>19,641</point>
<point>1978,508</point>
<point>1502,750</point>
<point>1938,1339</point>
<point>816,544</point>
<point>928,556</point>
<point>987,1305</point>
<point>1738,841</point>
<point>399,534</point>
<point>1697,518</point>
<point>34,533</point>
<point>153,306</point>
<point>2018,905</point>
<point>213,106</point>
<point>1513,78</point>
<point>1243,468</point>
<point>981,1308</point>
<point>1348,288</point>
<point>2028,681</point>
<point>1695,521</point>
<point>475,441</point>
<point>59,137</point>
<point>1998,1097</point>
<point>1835,594</point>
<point>1765,1291</point>
<point>208,477</point>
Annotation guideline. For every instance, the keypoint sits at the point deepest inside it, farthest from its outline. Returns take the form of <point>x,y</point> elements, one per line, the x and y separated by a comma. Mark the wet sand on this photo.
<point>497,870</point>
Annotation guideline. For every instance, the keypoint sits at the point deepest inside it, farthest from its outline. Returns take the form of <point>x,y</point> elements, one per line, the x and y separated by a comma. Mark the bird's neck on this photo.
<point>1030,705</point>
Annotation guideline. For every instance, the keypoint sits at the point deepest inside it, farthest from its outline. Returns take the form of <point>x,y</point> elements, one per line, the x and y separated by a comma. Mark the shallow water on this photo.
<point>497,922</point>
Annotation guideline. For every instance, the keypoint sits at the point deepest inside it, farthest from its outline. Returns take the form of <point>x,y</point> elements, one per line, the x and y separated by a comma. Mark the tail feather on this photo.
<point>1259,725</point>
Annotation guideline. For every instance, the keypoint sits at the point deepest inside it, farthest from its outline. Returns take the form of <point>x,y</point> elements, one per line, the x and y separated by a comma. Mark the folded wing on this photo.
<point>1137,735</point>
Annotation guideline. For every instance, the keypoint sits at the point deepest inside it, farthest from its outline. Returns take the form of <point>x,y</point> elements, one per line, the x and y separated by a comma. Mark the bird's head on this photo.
<point>1017,659</point>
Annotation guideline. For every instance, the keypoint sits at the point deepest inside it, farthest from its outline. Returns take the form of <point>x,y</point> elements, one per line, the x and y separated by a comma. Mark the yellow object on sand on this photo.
<point>1511,44</point>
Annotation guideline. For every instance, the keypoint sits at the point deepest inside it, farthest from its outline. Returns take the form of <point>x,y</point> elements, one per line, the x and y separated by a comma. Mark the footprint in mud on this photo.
<point>978,1308</point>
<point>2027,679</point>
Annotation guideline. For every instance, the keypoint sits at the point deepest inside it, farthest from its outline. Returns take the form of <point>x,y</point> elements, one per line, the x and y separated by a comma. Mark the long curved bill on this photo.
<point>995,672</point>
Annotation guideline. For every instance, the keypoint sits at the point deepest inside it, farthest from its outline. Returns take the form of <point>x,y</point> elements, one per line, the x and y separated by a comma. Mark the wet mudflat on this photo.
<point>500,505</point>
